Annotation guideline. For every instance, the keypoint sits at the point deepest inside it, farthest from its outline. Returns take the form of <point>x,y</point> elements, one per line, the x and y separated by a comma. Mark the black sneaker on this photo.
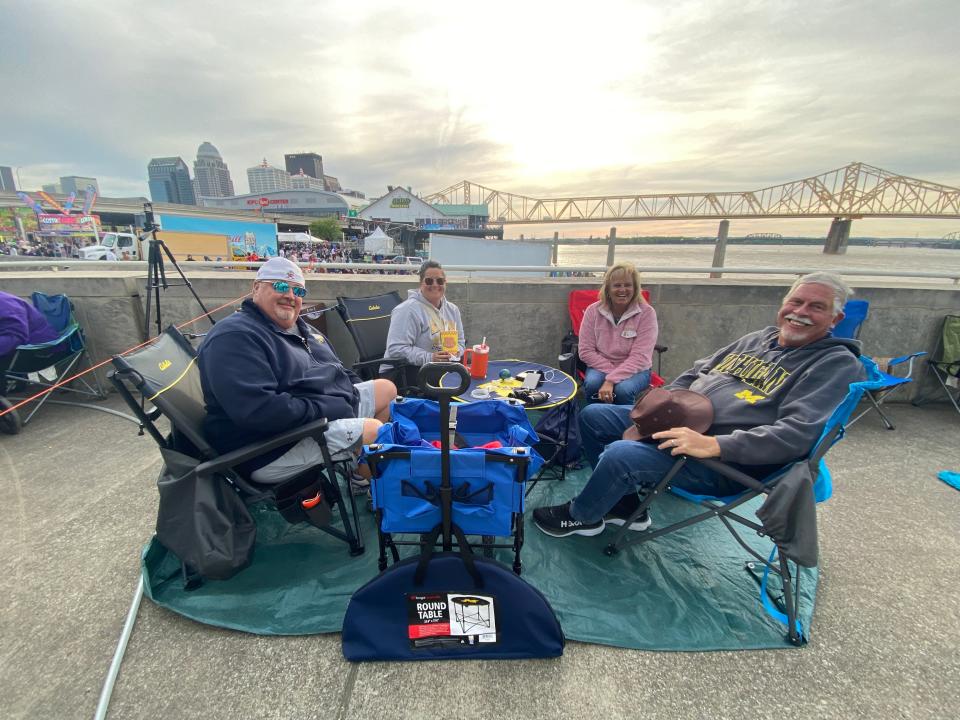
<point>557,522</point>
<point>625,507</point>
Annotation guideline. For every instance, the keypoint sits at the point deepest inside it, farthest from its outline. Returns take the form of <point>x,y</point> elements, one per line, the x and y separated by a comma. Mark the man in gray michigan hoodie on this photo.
<point>772,391</point>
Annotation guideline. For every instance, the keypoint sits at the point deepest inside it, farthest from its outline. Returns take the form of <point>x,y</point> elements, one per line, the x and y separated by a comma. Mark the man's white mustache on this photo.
<point>797,318</point>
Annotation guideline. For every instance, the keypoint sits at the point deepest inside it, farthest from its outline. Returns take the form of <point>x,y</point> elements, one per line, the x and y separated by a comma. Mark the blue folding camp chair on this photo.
<point>855,312</point>
<point>794,541</point>
<point>887,384</point>
<point>487,483</point>
<point>45,365</point>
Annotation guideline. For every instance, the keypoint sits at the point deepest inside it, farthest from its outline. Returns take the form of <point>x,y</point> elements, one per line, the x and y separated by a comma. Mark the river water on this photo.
<point>797,257</point>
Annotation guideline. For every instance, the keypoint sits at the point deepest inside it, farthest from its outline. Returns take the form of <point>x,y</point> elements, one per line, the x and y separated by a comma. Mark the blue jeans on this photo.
<point>624,466</point>
<point>624,392</point>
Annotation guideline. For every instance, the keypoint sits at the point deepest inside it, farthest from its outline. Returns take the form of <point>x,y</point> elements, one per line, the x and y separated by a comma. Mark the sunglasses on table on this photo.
<point>281,286</point>
<point>430,281</point>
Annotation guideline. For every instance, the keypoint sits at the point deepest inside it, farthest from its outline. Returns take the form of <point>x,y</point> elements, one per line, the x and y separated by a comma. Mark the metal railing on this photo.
<point>559,271</point>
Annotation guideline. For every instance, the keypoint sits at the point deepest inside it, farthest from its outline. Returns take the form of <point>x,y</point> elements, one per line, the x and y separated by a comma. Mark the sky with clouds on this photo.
<point>538,98</point>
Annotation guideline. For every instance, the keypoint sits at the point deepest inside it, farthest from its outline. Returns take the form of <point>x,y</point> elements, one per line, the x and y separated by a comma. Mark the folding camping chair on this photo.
<point>166,376</point>
<point>945,362</point>
<point>487,474</point>
<point>793,541</point>
<point>577,303</point>
<point>45,365</point>
<point>855,313</point>
<point>888,383</point>
<point>368,322</point>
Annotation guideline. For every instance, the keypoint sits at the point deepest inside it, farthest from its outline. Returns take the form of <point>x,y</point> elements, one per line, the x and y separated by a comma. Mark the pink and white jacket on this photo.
<point>619,350</point>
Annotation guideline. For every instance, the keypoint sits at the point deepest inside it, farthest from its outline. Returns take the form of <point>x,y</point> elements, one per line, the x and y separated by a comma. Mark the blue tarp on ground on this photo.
<point>685,591</point>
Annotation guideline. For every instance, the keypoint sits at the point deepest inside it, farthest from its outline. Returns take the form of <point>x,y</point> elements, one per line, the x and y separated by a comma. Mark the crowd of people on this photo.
<point>316,255</point>
<point>66,247</point>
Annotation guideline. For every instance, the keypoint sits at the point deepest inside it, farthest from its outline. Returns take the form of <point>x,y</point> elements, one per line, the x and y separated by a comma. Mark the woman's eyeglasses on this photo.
<point>430,281</point>
<point>281,286</point>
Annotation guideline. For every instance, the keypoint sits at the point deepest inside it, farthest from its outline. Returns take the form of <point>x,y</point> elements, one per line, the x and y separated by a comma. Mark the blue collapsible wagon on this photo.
<point>486,448</point>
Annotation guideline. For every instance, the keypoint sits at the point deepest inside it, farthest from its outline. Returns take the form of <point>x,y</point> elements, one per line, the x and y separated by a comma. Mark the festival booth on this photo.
<point>378,243</point>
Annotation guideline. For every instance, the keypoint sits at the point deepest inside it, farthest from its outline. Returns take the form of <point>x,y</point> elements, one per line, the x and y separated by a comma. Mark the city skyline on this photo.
<point>619,98</point>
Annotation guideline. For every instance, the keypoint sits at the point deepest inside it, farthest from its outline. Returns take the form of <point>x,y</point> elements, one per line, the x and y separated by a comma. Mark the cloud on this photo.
<point>543,99</point>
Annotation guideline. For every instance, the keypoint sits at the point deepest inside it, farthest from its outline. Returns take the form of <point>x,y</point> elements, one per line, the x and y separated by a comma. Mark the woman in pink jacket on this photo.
<point>617,338</point>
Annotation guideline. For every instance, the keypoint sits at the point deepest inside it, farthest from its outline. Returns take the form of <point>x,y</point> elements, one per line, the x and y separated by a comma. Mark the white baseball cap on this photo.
<point>278,268</point>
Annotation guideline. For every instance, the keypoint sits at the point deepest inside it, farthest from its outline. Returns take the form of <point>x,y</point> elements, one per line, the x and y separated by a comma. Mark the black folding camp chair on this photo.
<point>790,523</point>
<point>39,367</point>
<point>368,321</point>
<point>167,378</point>
<point>945,361</point>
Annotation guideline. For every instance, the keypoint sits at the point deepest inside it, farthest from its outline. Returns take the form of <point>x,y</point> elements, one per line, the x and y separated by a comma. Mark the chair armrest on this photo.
<point>396,362</point>
<point>660,348</point>
<point>64,336</point>
<point>723,469</point>
<point>905,358</point>
<point>248,452</point>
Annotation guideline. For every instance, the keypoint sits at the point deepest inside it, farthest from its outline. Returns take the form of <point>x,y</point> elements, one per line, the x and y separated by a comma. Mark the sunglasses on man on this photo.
<point>430,281</point>
<point>281,286</point>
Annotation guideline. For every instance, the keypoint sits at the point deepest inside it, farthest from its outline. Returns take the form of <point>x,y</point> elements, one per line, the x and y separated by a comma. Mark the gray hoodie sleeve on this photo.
<point>801,415</point>
<point>407,325</point>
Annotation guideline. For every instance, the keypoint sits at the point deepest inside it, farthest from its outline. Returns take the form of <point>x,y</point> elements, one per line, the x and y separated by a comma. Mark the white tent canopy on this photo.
<point>378,242</point>
<point>299,237</point>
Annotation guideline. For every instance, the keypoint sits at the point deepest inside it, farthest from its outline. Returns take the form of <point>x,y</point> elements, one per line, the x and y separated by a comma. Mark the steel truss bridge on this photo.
<point>851,192</point>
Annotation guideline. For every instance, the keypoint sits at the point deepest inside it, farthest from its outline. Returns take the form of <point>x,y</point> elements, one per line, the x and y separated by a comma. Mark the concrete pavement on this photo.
<point>79,502</point>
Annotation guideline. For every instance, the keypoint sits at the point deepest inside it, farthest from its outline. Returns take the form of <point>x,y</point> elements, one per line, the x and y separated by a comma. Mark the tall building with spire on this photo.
<point>170,181</point>
<point>212,177</point>
<point>266,178</point>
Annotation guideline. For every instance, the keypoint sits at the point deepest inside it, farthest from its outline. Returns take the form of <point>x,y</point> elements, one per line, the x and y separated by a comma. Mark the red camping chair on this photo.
<point>577,304</point>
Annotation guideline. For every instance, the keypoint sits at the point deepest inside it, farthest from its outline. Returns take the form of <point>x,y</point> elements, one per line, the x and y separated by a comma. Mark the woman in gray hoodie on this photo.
<point>426,327</point>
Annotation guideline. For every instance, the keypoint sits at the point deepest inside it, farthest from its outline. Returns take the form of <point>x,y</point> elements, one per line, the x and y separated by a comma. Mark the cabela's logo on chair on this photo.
<point>164,364</point>
<point>373,307</point>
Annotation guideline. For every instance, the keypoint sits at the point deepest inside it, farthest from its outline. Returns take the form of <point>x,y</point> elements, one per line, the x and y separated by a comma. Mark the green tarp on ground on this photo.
<point>685,591</point>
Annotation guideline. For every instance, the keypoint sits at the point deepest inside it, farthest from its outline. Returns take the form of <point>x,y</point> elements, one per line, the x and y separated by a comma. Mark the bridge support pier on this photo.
<point>837,238</point>
<point>720,249</point>
<point>611,246</point>
<point>555,249</point>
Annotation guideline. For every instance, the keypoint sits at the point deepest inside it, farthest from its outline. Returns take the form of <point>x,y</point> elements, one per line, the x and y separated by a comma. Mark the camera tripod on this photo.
<point>157,275</point>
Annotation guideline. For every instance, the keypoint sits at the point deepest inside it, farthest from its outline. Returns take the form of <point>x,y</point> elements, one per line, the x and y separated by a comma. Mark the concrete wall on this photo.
<point>521,318</point>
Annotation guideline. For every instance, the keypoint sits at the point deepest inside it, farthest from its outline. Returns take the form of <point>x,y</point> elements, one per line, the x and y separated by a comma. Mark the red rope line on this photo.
<point>108,360</point>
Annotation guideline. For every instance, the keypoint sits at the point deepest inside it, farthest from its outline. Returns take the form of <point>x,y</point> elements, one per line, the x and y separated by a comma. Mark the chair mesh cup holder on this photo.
<point>305,498</point>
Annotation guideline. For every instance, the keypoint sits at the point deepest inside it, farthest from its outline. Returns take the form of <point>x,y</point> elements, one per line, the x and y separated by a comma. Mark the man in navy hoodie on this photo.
<point>772,392</point>
<point>263,371</point>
